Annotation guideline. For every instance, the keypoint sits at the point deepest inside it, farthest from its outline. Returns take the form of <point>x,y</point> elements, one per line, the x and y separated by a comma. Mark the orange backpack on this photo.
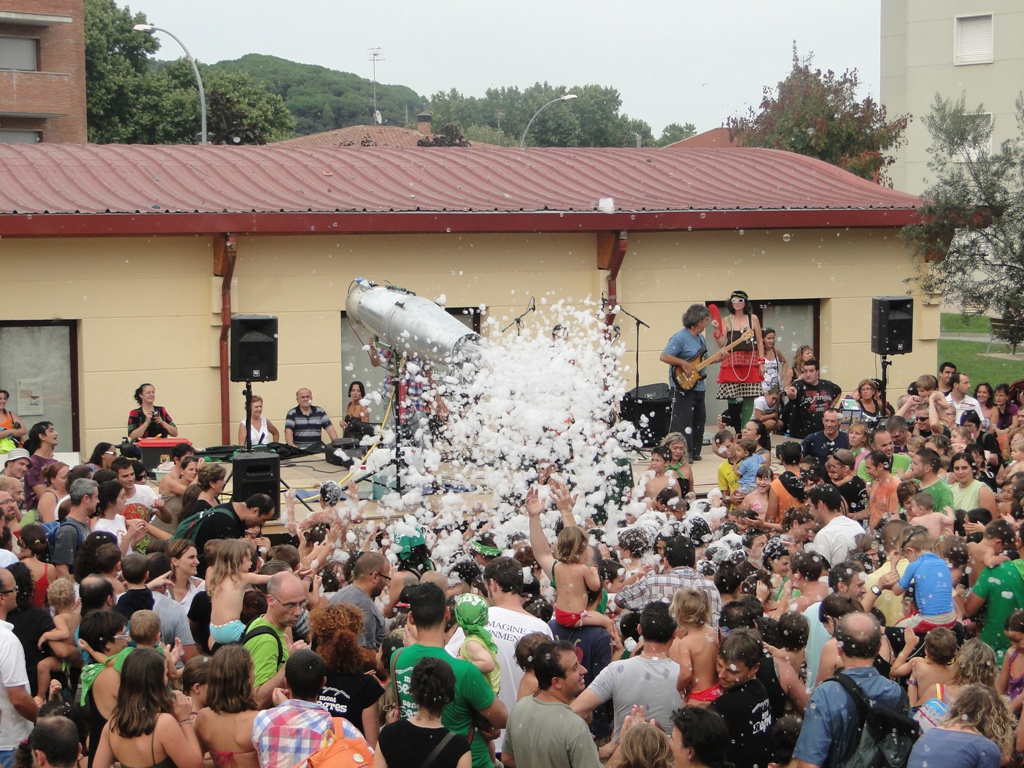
<point>340,752</point>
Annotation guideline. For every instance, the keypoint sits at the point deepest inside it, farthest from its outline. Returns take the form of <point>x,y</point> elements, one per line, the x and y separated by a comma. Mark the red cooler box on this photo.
<point>157,450</point>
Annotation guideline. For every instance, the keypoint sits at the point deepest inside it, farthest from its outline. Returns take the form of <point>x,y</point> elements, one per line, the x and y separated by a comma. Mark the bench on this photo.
<point>1009,330</point>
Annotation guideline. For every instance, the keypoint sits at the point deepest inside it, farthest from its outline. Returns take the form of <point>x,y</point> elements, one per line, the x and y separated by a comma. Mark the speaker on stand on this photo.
<point>253,348</point>
<point>254,358</point>
<point>892,330</point>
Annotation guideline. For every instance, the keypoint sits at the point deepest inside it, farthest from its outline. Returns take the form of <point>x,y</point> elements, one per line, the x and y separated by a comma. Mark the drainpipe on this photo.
<point>225,251</point>
<point>612,254</point>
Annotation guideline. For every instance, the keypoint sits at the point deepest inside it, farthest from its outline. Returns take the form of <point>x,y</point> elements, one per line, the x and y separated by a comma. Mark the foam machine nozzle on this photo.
<point>411,324</point>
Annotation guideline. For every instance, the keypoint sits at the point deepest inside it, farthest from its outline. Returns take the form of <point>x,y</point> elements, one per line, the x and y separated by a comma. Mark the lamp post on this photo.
<point>567,97</point>
<point>149,29</point>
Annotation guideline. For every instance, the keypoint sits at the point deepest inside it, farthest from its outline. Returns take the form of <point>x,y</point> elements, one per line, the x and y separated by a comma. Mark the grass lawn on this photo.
<point>971,359</point>
<point>951,322</point>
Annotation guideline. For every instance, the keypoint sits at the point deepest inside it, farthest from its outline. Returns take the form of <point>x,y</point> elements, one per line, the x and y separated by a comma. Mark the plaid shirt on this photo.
<point>288,734</point>
<point>662,586</point>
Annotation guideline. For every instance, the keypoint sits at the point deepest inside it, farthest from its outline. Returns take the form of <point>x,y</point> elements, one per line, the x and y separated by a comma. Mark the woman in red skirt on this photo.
<point>742,371</point>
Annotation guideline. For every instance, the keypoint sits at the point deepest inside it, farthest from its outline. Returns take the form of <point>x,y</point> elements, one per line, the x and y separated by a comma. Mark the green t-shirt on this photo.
<point>942,494</point>
<point>472,694</point>
<point>265,651</point>
<point>1002,589</point>
<point>900,463</point>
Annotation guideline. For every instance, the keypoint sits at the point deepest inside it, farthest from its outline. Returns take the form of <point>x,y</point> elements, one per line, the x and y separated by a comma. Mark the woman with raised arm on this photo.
<point>741,375</point>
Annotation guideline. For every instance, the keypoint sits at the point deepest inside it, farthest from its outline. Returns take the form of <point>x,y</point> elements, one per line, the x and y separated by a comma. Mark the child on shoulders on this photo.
<point>929,574</point>
<point>226,583</point>
<point>695,648</point>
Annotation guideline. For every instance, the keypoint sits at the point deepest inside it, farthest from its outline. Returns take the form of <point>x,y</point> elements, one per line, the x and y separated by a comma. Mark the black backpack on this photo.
<point>263,629</point>
<point>886,736</point>
<point>189,527</point>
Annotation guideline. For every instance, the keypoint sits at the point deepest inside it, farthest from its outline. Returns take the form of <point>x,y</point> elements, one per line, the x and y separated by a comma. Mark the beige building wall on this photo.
<point>665,273</point>
<point>917,62</point>
<point>145,308</point>
<point>149,308</point>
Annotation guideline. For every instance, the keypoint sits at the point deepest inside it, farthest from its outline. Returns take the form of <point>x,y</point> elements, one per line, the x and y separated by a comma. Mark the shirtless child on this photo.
<point>928,671</point>
<point>695,648</point>
<point>574,580</point>
<point>226,583</point>
<point>921,511</point>
<point>658,477</point>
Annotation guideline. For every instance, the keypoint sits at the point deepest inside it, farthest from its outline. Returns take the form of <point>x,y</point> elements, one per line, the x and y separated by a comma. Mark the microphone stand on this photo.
<point>636,366</point>
<point>518,322</point>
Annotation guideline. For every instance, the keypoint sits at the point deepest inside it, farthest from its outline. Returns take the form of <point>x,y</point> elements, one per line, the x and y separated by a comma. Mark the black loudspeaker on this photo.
<point>649,409</point>
<point>256,472</point>
<point>892,325</point>
<point>253,348</point>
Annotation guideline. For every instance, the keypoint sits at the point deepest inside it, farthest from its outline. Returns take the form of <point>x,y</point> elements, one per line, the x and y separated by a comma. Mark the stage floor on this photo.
<point>304,474</point>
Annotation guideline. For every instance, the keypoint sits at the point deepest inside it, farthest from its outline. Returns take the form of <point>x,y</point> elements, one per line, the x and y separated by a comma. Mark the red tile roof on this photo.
<point>46,189</point>
<point>715,138</point>
<point>357,136</point>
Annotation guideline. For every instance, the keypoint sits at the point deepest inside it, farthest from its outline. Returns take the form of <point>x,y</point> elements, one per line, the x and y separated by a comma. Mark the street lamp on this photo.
<point>149,29</point>
<point>567,97</point>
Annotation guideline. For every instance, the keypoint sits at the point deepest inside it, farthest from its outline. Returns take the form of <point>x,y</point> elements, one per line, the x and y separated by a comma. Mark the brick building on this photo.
<point>42,71</point>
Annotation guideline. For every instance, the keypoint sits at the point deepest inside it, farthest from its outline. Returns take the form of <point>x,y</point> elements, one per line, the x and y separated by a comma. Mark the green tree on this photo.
<point>592,119</point>
<point>970,229</point>
<point>485,134</point>
<point>323,99</point>
<point>817,113</point>
<point>117,72</point>
<point>675,132</point>
<point>132,99</point>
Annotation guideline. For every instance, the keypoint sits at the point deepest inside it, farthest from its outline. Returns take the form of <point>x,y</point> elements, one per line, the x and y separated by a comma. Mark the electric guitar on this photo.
<point>699,362</point>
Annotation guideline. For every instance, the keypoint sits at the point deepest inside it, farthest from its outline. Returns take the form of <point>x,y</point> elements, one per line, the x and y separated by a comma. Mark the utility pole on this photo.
<point>498,114</point>
<point>375,57</point>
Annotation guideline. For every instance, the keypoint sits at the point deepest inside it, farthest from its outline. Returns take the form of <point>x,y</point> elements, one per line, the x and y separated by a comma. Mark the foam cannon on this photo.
<point>411,324</point>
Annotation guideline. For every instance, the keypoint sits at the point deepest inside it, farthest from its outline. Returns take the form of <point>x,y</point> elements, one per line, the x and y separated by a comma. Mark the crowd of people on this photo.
<point>866,553</point>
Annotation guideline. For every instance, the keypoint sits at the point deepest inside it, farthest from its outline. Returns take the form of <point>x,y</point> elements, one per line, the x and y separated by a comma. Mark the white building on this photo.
<point>951,48</point>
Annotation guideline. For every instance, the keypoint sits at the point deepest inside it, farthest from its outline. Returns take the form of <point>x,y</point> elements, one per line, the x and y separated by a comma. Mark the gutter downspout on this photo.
<point>611,253</point>
<point>225,251</point>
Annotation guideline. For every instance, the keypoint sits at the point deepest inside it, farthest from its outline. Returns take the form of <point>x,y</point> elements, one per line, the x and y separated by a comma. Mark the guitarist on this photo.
<point>685,349</point>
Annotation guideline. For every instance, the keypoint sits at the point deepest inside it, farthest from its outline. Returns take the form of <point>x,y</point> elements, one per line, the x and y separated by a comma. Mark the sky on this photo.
<point>671,60</point>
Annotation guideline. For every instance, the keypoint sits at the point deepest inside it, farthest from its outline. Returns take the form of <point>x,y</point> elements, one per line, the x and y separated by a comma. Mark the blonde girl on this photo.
<point>226,583</point>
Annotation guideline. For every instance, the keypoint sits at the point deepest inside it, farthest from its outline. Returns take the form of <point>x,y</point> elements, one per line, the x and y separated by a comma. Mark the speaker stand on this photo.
<point>248,416</point>
<point>886,362</point>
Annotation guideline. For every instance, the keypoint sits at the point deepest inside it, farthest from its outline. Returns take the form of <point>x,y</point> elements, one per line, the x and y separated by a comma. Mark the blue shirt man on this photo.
<point>688,410</point>
<point>832,724</point>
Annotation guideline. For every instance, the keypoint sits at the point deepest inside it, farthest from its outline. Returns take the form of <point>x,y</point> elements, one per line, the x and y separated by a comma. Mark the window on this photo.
<point>13,136</point>
<point>356,362</point>
<point>796,322</point>
<point>39,367</point>
<point>20,53</point>
<point>973,40</point>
